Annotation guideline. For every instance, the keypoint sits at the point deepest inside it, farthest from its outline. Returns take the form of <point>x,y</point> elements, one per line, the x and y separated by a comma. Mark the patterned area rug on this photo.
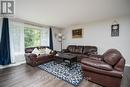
<point>71,75</point>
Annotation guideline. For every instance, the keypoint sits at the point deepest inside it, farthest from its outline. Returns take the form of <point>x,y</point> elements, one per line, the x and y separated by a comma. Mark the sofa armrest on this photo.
<point>53,52</point>
<point>30,56</point>
<point>120,65</point>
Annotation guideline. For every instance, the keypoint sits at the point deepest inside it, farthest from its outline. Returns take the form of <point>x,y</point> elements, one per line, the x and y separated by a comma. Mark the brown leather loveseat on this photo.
<point>34,60</point>
<point>106,69</point>
<point>80,51</point>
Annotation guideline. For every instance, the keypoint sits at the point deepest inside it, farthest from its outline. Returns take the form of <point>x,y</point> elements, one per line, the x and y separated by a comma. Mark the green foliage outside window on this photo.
<point>31,37</point>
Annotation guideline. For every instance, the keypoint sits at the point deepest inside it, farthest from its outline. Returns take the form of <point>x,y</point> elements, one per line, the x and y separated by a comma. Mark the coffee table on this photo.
<point>67,58</point>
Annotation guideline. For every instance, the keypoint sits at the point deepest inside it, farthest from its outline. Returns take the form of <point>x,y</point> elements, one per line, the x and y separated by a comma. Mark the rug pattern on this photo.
<point>71,75</point>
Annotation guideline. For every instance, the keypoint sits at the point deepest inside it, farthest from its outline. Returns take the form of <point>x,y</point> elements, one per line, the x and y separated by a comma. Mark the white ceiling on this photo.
<point>64,13</point>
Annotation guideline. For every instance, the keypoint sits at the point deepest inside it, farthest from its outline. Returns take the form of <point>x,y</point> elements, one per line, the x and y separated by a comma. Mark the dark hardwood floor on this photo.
<point>27,76</point>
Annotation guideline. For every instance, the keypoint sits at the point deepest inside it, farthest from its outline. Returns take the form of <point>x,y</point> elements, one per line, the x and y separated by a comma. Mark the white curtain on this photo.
<point>45,37</point>
<point>16,30</point>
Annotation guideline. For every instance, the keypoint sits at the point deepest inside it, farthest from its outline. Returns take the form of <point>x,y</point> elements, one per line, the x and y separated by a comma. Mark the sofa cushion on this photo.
<point>36,51</point>
<point>97,64</point>
<point>95,58</point>
<point>79,49</point>
<point>29,50</point>
<point>112,57</point>
<point>71,48</point>
<point>47,51</point>
<point>113,73</point>
<point>88,49</point>
<point>42,51</point>
<point>82,56</point>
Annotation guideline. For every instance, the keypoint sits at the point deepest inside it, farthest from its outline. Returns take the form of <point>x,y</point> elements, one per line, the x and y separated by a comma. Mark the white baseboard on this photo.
<point>11,65</point>
<point>127,65</point>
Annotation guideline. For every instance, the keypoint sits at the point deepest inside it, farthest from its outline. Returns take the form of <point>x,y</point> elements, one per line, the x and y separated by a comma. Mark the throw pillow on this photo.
<point>42,51</point>
<point>57,54</point>
<point>48,51</point>
<point>112,58</point>
<point>36,51</point>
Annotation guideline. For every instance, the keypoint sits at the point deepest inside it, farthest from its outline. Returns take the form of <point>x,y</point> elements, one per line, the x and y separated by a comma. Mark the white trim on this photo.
<point>11,65</point>
<point>127,64</point>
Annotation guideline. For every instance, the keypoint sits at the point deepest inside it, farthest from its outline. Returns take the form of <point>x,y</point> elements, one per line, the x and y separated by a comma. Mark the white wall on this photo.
<point>99,34</point>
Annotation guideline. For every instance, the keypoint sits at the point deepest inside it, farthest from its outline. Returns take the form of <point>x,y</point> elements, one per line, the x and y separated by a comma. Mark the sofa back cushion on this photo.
<point>88,49</point>
<point>79,49</point>
<point>30,49</point>
<point>71,48</point>
<point>112,56</point>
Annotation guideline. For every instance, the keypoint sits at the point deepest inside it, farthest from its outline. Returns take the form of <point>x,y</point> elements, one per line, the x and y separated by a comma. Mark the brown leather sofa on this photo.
<point>80,51</point>
<point>34,60</point>
<point>106,69</point>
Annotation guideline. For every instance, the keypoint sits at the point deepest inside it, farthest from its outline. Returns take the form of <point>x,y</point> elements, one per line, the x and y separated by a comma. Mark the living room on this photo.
<point>60,43</point>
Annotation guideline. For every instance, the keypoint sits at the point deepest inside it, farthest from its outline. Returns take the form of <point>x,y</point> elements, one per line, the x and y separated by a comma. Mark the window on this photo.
<point>23,35</point>
<point>35,36</point>
<point>32,37</point>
